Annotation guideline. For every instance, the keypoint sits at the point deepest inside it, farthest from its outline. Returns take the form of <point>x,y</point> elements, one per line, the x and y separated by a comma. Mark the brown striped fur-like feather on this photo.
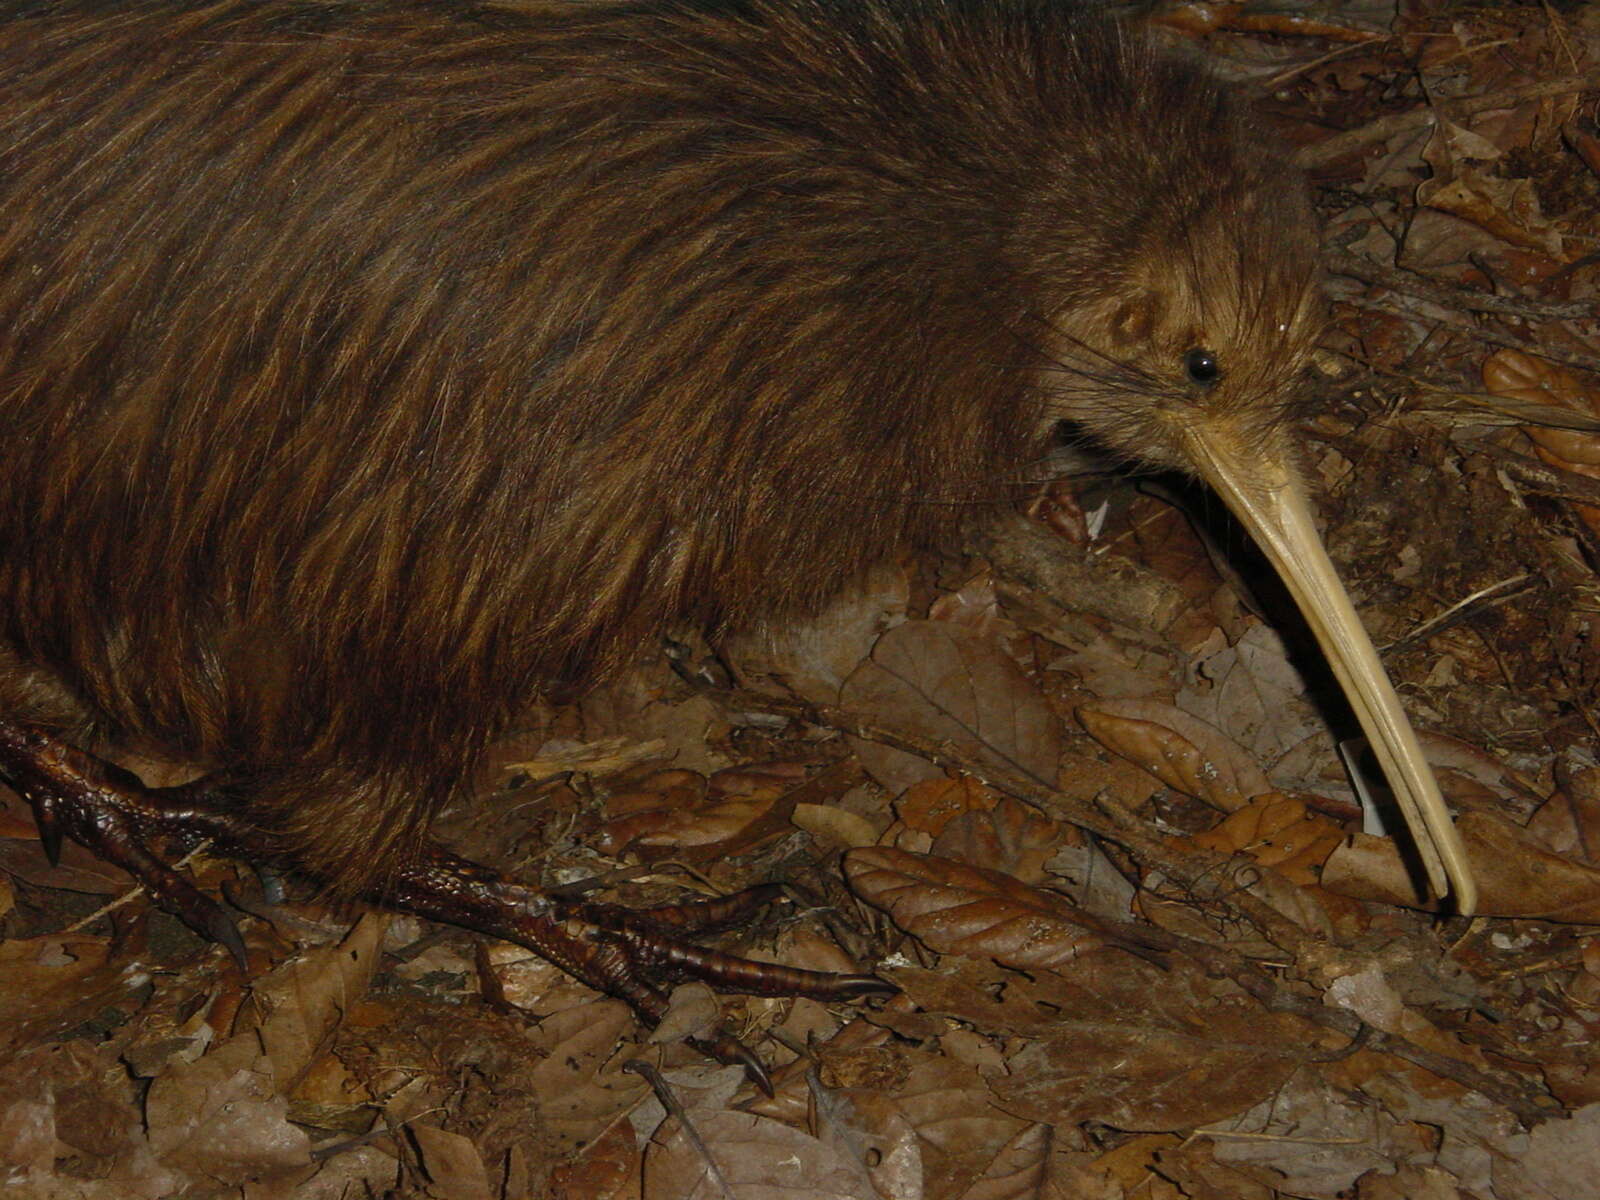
<point>369,368</point>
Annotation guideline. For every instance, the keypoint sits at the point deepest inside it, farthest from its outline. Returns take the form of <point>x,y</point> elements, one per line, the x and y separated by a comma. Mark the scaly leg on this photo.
<point>625,953</point>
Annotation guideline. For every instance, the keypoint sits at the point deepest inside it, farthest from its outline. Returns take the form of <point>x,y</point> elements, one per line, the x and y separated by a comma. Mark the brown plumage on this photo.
<point>368,369</point>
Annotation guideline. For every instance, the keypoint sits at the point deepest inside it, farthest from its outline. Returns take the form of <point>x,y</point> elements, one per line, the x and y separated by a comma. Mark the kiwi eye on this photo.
<point>1201,366</point>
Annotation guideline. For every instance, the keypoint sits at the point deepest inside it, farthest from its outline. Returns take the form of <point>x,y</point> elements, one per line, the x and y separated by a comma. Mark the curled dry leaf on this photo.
<point>700,820</point>
<point>1277,831</point>
<point>1184,752</point>
<point>957,909</point>
<point>1517,875</point>
<point>304,1000</point>
<point>1507,208</point>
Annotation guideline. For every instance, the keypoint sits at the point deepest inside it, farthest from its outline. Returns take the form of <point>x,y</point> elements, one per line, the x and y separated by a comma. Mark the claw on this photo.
<point>736,1053</point>
<point>44,816</point>
<point>859,987</point>
<point>222,929</point>
<point>108,810</point>
<point>614,950</point>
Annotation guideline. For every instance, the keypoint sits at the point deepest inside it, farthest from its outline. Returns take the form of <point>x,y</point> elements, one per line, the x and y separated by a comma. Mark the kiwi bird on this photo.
<point>370,369</point>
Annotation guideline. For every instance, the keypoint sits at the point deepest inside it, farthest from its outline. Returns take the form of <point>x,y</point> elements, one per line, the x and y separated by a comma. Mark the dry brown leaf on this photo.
<point>680,814</point>
<point>945,684</point>
<point>982,994</point>
<point>751,1157</point>
<point>656,802</point>
<point>1519,376</point>
<point>537,757</point>
<point>1021,1169</point>
<point>1372,996</point>
<point>1192,1167</point>
<point>837,824</point>
<point>815,656</point>
<point>1506,208</point>
<point>700,1088</point>
<point>929,806</point>
<point>1131,1162</point>
<point>1562,1159</point>
<point>1517,875</point>
<point>974,607</point>
<point>1083,870</point>
<point>1034,1165</point>
<point>1317,1137</point>
<point>1157,535</point>
<point>582,1087</point>
<point>355,1171</point>
<point>1308,908</point>
<point>1277,831</point>
<point>454,1166</point>
<point>70,1124</point>
<point>957,909</point>
<point>1119,1039</point>
<point>710,825</point>
<point>225,1117</point>
<point>300,1003</point>
<point>606,1169</point>
<point>1184,752</point>
<point>1011,837</point>
<point>1408,1183</point>
<point>867,1128</point>
<point>957,1123</point>
<point>1152,1075</point>
<point>52,984</point>
<point>1568,823</point>
<point>693,1010</point>
<point>1253,690</point>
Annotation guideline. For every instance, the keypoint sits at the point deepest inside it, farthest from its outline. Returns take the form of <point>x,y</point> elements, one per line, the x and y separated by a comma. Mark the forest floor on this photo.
<point>1072,788</point>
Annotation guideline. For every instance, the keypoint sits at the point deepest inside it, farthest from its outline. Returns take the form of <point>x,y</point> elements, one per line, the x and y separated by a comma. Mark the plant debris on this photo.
<point>1077,792</point>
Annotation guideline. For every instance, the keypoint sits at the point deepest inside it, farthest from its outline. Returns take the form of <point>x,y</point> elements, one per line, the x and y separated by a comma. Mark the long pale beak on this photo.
<point>1267,499</point>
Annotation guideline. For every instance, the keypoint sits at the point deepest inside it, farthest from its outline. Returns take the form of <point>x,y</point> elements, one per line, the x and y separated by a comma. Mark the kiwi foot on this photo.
<point>634,955</point>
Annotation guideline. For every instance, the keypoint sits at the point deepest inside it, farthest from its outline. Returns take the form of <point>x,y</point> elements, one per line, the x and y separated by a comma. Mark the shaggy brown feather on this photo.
<point>369,368</point>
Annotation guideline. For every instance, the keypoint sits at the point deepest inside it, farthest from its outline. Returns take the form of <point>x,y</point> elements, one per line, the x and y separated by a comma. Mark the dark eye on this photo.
<point>1201,366</point>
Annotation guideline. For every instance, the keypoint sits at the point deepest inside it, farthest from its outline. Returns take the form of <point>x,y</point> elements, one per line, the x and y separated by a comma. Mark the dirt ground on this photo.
<point>1073,787</point>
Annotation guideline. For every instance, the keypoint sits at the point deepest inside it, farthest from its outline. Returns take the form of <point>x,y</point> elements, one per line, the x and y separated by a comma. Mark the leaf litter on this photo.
<point>1071,792</point>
